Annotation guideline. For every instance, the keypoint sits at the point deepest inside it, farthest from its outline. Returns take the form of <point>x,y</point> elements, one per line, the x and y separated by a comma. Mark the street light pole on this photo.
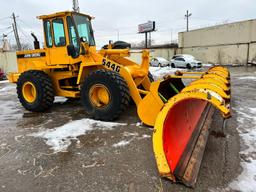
<point>76,6</point>
<point>187,18</point>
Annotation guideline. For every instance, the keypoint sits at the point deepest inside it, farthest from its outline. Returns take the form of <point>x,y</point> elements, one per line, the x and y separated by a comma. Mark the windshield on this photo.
<point>161,59</point>
<point>183,56</point>
<point>188,56</point>
<point>84,28</point>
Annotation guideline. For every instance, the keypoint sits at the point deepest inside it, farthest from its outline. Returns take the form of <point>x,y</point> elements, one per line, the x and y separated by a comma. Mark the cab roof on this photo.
<point>61,14</point>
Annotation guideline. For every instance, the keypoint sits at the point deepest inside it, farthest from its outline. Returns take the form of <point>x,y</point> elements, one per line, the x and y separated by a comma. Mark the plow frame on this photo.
<point>210,88</point>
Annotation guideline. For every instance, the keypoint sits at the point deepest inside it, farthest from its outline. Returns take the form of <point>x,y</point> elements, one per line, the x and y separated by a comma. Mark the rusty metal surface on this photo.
<point>193,167</point>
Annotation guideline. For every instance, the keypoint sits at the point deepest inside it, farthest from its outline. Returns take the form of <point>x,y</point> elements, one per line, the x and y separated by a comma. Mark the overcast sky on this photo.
<point>124,16</point>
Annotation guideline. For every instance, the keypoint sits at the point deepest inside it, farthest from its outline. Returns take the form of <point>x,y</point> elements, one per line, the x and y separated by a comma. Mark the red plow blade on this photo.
<point>182,128</point>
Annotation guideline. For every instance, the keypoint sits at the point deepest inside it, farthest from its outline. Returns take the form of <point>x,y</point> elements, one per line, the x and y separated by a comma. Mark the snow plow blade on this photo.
<point>182,123</point>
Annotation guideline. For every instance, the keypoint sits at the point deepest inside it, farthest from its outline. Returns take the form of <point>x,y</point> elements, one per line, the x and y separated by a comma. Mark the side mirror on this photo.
<point>71,51</point>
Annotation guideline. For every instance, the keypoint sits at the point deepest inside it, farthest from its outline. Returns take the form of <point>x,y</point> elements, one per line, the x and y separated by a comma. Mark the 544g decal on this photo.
<point>110,65</point>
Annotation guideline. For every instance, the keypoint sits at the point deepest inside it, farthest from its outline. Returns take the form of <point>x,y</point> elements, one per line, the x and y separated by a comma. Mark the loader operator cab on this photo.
<point>64,33</point>
<point>79,30</point>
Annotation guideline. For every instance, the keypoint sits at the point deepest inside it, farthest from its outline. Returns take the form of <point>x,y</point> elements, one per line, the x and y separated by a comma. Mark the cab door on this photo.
<point>56,41</point>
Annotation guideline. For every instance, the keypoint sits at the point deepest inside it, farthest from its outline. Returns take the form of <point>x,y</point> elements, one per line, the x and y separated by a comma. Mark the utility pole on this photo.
<point>15,30</point>
<point>149,42</point>
<point>76,6</point>
<point>187,17</point>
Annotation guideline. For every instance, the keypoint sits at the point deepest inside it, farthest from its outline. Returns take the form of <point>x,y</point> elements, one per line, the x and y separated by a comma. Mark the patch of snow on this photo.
<point>207,65</point>
<point>7,89</point>
<point>253,110</point>
<point>212,93</point>
<point>60,99</point>
<point>60,138</point>
<point>160,72</point>
<point>5,81</point>
<point>90,166</point>
<point>127,134</point>
<point>248,78</point>
<point>139,124</point>
<point>246,182</point>
<point>122,143</point>
<point>146,136</point>
<point>95,164</point>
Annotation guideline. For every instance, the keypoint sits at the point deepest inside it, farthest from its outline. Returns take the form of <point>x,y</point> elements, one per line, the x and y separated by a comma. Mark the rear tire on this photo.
<point>172,65</point>
<point>188,66</point>
<point>113,85</point>
<point>35,91</point>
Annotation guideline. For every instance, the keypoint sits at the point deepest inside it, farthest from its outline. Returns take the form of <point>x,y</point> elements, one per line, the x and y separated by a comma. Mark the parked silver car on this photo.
<point>159,62</point>
<point>185,61</point>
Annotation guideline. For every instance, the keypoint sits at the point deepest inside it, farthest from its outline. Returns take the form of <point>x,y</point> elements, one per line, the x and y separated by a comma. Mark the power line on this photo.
<point>19,19</point>
<point>36,30</point>
<point>3,29</point>
<point>26,37</point>
<point>8,33</point>
<point>4,18</point>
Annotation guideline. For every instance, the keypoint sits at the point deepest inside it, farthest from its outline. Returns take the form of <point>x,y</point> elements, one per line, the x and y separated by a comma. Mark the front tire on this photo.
<point>35,91</point>
<point>105,95</point>
<point>188,66</point>
<point>172,65</point>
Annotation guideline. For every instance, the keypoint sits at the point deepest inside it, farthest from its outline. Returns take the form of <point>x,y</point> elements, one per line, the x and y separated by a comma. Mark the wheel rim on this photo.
<point>29,92</point>
<point>99,95</point>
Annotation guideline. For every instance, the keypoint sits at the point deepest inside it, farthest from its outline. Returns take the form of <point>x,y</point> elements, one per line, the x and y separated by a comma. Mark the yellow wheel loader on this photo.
<point>106,80</point>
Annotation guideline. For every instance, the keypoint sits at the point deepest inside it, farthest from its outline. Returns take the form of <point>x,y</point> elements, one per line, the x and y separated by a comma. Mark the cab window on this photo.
<point>59,33</point>
<point>84,29</point>
<point>73,38</point>
<point>48,34</point>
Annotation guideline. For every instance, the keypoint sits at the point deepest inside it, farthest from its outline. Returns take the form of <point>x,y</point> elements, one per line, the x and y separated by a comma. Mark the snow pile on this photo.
<point>60,138</point>
<point>159,72</point>
<point>247,180</point>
